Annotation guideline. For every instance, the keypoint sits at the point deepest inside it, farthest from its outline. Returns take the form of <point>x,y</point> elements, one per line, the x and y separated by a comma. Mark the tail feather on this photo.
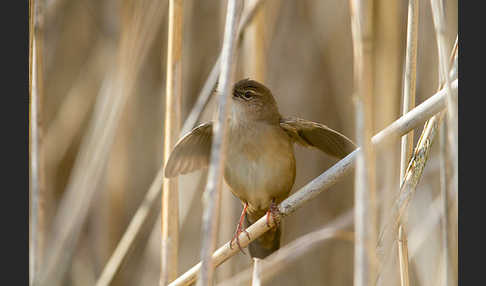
<point>266,244</point>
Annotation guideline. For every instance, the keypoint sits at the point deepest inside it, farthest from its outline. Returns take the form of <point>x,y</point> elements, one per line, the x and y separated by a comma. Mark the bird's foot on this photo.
<point>274,213</point>
<point>239,230</point>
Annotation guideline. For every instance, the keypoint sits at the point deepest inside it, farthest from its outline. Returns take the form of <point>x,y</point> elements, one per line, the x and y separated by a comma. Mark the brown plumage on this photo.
<point>260,162</point>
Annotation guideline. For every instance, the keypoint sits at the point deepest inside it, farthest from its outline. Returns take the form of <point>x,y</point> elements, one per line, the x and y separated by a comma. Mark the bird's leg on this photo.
<point>240,229</point>
<point>274,213</point>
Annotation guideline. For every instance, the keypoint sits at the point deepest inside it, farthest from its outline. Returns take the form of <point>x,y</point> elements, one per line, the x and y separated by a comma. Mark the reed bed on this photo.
<point>114,84</point>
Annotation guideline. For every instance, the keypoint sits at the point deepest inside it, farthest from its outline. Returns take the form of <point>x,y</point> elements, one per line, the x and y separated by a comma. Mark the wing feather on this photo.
<point>191,152</point>
<point>312,134</point>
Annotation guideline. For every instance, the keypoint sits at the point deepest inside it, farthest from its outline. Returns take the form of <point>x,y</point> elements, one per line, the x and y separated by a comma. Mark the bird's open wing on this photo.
<point>191,152</point>
<point>312,134</point>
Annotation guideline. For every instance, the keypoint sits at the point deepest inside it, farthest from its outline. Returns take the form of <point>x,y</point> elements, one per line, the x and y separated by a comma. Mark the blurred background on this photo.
<point>302,50</point>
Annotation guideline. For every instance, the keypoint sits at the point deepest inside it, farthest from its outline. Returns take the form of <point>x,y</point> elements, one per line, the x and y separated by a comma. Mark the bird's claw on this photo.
<point>273,212</point>
<point>236,238</point>
<point>240,229</point>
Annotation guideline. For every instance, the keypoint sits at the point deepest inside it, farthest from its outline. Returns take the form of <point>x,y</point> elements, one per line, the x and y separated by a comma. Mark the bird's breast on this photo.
<point>260,165</point>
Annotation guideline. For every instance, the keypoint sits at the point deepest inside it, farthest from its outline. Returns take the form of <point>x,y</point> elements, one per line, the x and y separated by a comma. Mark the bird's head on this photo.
<point>253,101</point>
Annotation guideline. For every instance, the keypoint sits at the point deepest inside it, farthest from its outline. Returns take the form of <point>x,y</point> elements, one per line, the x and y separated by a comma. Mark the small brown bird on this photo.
<point>260,162</point>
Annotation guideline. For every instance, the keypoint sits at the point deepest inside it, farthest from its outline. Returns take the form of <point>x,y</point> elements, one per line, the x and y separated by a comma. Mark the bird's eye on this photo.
<point>247,95</point>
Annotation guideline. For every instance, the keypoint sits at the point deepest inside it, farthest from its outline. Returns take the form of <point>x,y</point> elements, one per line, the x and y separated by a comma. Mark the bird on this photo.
<point>260,165</point>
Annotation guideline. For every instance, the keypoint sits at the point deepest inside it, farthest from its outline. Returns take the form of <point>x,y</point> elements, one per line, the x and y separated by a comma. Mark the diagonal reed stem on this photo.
<point>282,258</point>
<point>130,234</point>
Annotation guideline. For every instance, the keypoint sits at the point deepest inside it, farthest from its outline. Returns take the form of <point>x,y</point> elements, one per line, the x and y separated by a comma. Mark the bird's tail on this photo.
<point>266,244</point>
